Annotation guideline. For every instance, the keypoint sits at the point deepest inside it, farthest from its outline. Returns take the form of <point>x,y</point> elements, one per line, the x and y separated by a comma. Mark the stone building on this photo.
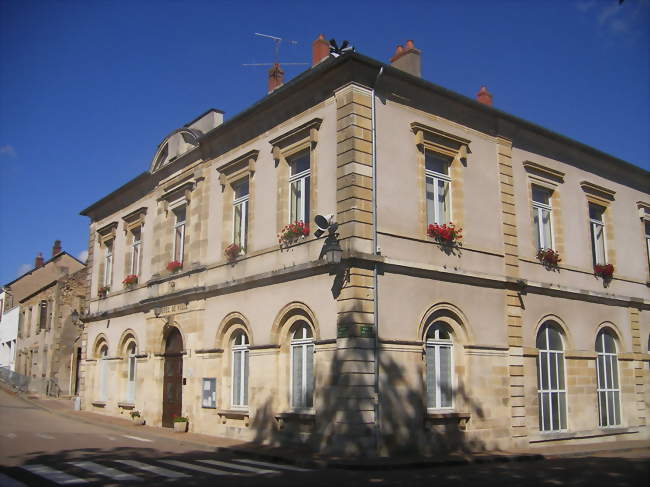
<point>48,348</point>
<point>528,326</point>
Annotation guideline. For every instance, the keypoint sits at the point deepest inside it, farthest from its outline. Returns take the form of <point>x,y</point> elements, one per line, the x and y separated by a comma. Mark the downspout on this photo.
<point>375,251</point>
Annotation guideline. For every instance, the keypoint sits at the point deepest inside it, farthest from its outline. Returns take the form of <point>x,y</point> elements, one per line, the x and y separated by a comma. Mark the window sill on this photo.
<point>542,437</point>
<point>126,405</point>
<point>99,404</point>
<point>243,414</point>
<point>305,416</point>
<point>435,418</point>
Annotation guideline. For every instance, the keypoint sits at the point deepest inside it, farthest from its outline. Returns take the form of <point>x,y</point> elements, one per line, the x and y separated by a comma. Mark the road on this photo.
<point>41,448</point>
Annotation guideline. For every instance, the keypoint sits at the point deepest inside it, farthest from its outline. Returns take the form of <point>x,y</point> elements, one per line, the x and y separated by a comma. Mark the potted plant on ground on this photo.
<point>174,266</point>
<point>130,281</point>
<point>445,234</point>
<point>292,232</point>
<point>232,252</point>
<point>136,418</point>
<point>180,424</point>
<point>102,292</point>
<point>549,258</point>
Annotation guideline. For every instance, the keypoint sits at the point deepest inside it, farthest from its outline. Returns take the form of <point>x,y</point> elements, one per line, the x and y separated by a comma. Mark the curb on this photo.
<point>459,460</point>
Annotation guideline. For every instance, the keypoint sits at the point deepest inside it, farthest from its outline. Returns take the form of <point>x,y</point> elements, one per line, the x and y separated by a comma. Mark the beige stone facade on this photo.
<point>48,348</point>
<point>345,358</point>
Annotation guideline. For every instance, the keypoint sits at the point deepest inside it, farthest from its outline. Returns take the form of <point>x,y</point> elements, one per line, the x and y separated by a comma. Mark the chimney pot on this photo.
<point>56,248</point>
<point>276,77</point>
<point>407,58</point>
<point>320,50</point>
<point>484,96</point>
<point>38,262</point>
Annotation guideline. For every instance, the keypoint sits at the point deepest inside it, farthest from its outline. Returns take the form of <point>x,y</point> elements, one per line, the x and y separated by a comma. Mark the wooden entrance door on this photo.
<point>173,379</point>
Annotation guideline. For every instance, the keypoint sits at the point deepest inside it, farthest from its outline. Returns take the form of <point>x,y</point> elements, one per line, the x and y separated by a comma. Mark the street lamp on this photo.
<point>331,248</point>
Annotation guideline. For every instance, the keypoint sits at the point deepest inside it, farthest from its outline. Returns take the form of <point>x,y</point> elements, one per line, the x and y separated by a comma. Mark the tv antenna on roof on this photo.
<point>277,41</point>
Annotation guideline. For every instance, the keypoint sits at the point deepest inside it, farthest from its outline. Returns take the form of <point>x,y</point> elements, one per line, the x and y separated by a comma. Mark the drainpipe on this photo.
<point>375,250</point>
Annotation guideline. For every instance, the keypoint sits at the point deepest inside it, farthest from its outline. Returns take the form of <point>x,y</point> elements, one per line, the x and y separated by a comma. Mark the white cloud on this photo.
<point>8,151</point>
<point>22,269</point>
<point>608,12</point>
<point>585,6</point>
<point>83,255</point>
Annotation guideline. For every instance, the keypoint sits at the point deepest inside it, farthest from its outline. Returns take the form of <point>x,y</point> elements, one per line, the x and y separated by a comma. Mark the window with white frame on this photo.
<point>609,402</point>
<point>180,213</point>
<point>102,379</point>
<point>43,315</point>
<point>646,225</point>
<point>439,366</point>
<point>550,379</point>
<point>299,186</point>
<point>240,370</point>
<point>240,214</point>
<point>136,250</point>
<point>438,186</point>
<point>597,224</point>
<point>302,367</point>
<point>542,217</point>
<point>130,379</point>
<point>108,263</point>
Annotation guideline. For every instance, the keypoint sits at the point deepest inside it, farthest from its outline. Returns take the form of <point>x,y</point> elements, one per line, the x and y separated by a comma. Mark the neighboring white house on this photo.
<point>8,331</point>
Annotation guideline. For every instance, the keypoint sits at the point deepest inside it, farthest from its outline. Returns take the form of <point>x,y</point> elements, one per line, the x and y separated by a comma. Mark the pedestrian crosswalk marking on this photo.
<point>113,473</point>
<point>11,436</point>
<point>153,469</point>
<point>53,475</point>
<point>6,481</point>
<point>137,438</point>
<point>199,468</point>
<point>236,466</point>
<point>45,436</point>
<point>274,465</point>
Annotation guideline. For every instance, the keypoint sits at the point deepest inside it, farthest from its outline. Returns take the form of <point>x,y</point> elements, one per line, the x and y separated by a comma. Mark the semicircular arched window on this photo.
<point>102,371</point>
<point>130,379</point>
<point>609,393</point>
<point>240,369</point>
<point>439,366</point>
<point>302,366</point>
<point>550,379</point>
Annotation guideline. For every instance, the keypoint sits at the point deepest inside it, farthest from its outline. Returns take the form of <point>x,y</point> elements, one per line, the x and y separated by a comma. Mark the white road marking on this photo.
<point>153,469</point>
<point>273,465</point>
<point>53,475</point>
<point>137,438</point>
<point>45,436</point>
<point>111,438</point>
<point>113,473</point>
<point>11,436</point>
<point>237,467</point>
<point>6,481</point>
<point>199,468</point>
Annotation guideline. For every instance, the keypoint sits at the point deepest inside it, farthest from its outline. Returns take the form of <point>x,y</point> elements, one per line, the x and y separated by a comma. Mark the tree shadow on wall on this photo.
<point>345,407</point>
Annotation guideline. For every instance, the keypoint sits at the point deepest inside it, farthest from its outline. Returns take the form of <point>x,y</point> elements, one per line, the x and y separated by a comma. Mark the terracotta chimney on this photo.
<point>484,96</point>
<point>407,58</point>
<point>320,50</point>
<point>276,77</point>
<point>56,248</point>
<point>38,261</point>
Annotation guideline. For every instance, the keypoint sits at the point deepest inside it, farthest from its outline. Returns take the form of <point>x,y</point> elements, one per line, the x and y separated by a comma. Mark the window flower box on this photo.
<point>103,291</point>
<point>232,252</point>
<point>549,258</point>
<point>174,266</point>
<point>606,271</point>
<point>130,280</point>
<point>293,232</point>
<point>445,234</point>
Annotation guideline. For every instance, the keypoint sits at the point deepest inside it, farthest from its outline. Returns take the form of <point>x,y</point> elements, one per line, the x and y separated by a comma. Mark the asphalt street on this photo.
<point>42,448</point>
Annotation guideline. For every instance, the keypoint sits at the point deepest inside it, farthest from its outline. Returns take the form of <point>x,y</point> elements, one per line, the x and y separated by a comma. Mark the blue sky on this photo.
<point>89,88</point>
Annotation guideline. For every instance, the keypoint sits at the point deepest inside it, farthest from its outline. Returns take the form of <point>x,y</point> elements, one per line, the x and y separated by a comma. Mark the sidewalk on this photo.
<point>303,458</point>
